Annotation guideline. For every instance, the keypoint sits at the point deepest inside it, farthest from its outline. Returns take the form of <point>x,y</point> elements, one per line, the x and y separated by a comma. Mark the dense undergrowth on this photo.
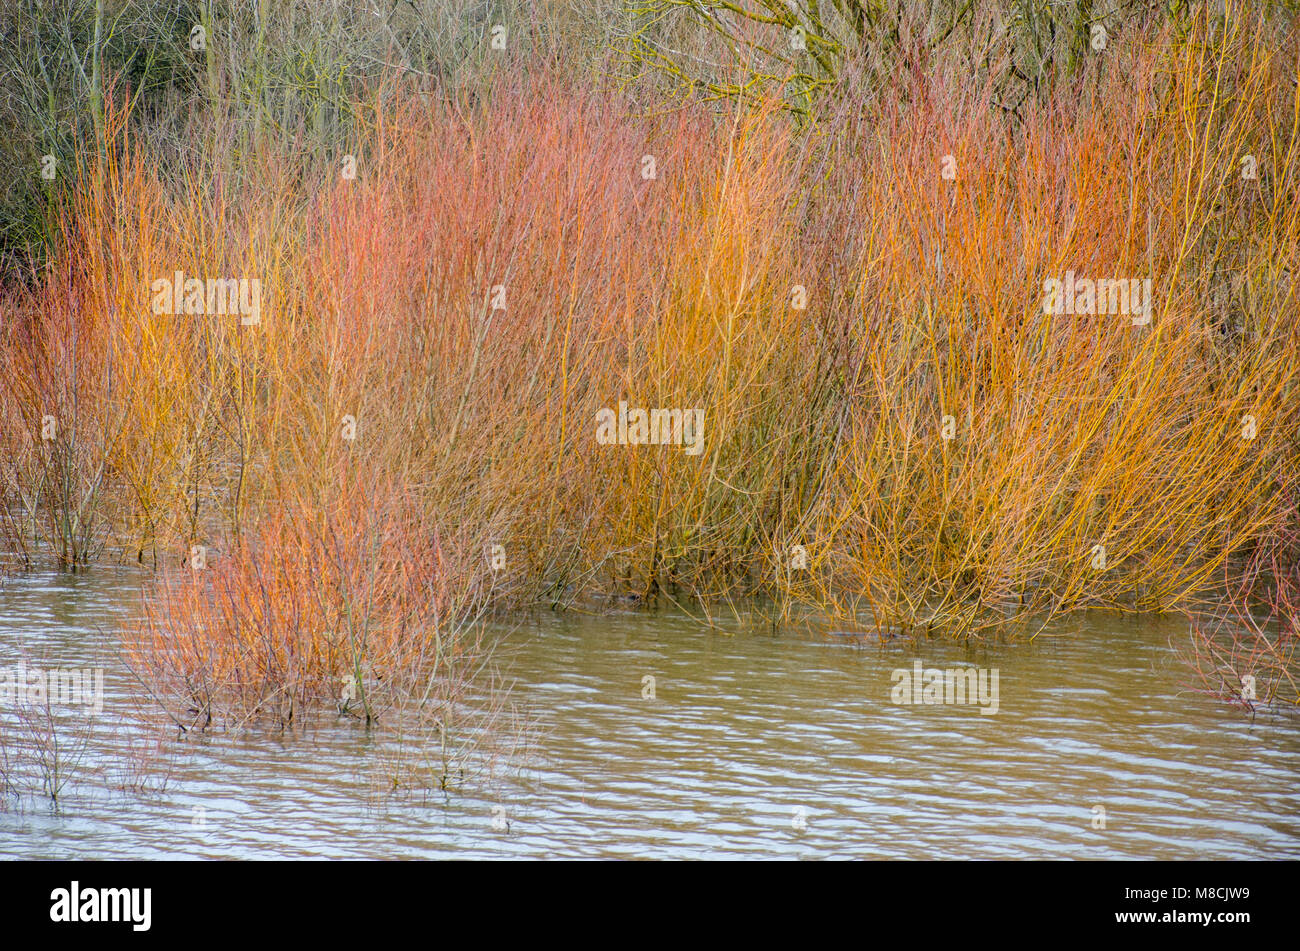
<point>891,428</point>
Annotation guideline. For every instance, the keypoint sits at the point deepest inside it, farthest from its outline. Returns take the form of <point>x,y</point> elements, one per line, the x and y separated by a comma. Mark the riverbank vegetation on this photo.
<point>471,235</point>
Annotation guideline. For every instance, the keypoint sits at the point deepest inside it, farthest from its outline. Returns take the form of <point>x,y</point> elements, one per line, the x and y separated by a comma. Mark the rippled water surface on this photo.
<point>754,744</point>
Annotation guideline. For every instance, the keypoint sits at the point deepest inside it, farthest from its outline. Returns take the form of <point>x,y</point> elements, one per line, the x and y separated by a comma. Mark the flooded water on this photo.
<point>744,744</point>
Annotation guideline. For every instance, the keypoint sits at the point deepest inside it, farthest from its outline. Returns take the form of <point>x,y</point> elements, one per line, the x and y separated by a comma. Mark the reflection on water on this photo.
<point>753,744</point>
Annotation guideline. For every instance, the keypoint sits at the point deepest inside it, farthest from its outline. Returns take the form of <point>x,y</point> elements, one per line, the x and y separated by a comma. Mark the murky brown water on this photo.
<point>754,745</point>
